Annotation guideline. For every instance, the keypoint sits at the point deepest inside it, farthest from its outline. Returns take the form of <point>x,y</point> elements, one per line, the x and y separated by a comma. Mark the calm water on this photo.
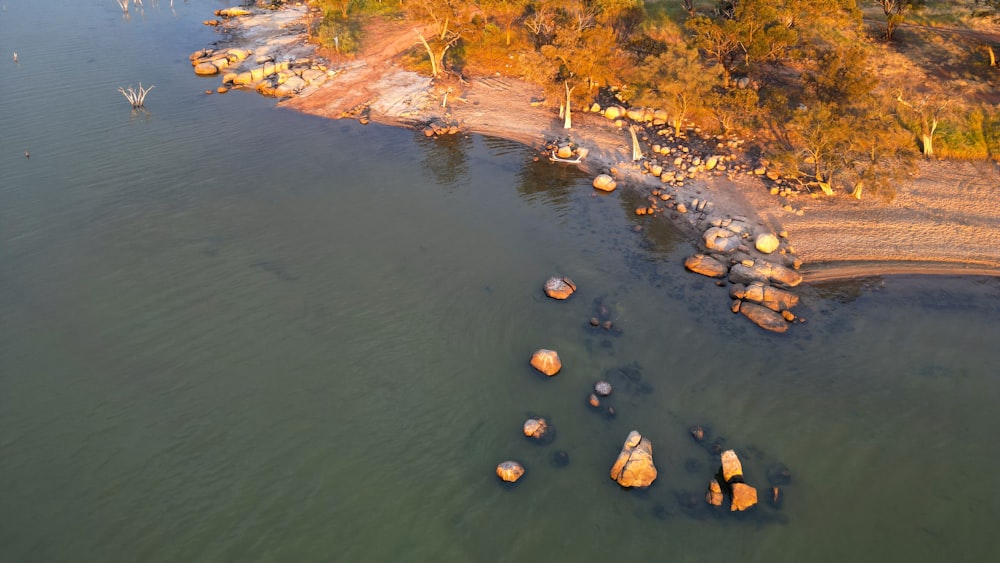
<point>233,333</point>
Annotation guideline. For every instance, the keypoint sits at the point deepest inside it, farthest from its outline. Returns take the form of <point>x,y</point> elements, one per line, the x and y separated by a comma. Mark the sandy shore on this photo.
<point>946,220</point>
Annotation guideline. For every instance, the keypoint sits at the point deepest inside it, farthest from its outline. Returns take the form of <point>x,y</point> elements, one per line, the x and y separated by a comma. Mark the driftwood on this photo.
<point>135,97</point>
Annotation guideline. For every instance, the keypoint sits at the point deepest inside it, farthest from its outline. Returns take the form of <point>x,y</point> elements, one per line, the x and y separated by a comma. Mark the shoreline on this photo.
<point>944,221</point>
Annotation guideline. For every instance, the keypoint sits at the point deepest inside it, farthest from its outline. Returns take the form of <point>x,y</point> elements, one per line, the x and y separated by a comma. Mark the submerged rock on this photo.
<point>634,466</point>
<point>510,471</point>
<point>546,361</point>
<point>559,288</point>
<point>698,433</point>
<point>560,458</point>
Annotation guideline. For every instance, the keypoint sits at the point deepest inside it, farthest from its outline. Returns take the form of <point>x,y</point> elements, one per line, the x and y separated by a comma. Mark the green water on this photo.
<point>229,332</point>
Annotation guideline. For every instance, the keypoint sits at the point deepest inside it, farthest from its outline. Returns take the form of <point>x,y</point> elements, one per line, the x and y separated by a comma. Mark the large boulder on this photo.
<point>706,266</point>
<point>605,183</point>
<point>559,288</point>
<point>634,466</point>
<point>614,112</point>
<point>763,317</point>
<point>510,471</point>
<point>206,69</point>
<point>546,361</point>
<point>769,296</point>
<point>232,12</point>
<point>731,466</point>
<point>744,496</point>
<point>762,270</point>
<point>721,240</point>
<point>767,243</point>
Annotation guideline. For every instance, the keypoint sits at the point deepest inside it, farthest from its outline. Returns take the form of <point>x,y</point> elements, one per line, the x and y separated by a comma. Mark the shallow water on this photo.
<point>229,332</point>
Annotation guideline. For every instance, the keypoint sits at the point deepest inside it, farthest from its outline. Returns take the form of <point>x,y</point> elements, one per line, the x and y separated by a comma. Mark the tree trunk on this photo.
<point>993,56</point>
<point>927,142</point>
<point>430,54</point>
<point>568,122</point>
<point>636,149</point>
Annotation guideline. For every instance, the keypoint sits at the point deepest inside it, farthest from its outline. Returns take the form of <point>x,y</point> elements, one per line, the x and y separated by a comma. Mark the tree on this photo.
<point>505,13</point>
<point>926,111</point>
<point>841,75</point>
<point>879,155</point>
<point>677,81</point>
<point>819,132</point>
<point>577,57</point>
<point>717,39</point>
<point>448,20</point>
<point>760,33</point>
<point>895,11</point>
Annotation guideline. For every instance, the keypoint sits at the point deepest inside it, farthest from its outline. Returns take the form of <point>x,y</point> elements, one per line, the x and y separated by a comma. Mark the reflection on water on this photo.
<point>231,332</point>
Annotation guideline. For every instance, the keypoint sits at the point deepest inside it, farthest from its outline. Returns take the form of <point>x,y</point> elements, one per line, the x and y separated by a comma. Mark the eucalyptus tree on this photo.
<point>676,81</point>
<point>448,22</point>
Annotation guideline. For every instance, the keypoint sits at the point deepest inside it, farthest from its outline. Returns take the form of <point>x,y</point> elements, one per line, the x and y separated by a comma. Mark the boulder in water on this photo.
<point>714,494</point>
<point>605,183</point>
<point>546,361</point>
<point>731,466</point>
<point>634,466</point>
<point>510,471</point>
<point>602,388</point>
<point>535,428</point>
<point>559,288</point>
<point>706,266</point>
<point>744,496</point>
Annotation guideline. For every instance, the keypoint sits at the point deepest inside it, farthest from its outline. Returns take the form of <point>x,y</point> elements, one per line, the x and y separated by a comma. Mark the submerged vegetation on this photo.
<point>839,93</point>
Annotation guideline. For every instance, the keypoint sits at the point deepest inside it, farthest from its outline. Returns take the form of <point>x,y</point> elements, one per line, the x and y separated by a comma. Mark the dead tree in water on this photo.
<point>135,97</point>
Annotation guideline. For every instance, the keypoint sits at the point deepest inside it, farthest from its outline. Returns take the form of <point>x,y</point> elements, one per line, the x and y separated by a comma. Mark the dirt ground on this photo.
<point>946,220</point>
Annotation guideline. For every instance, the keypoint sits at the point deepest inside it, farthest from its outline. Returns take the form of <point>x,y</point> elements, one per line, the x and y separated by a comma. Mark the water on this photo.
<point>233,333</point>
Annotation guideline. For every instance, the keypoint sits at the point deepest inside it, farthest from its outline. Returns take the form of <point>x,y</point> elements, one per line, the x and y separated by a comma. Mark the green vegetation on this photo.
<point>841,94</point>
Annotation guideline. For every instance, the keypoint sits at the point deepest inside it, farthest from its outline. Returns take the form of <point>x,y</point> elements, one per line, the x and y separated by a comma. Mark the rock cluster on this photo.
<point>279,79</point>
<point>733,248</point>
<point>439,127</point>
<point>211,61</point>
<point>566,151</point>
<point>634,466</point>
<point>759,289</point>
<point>742,496</point>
